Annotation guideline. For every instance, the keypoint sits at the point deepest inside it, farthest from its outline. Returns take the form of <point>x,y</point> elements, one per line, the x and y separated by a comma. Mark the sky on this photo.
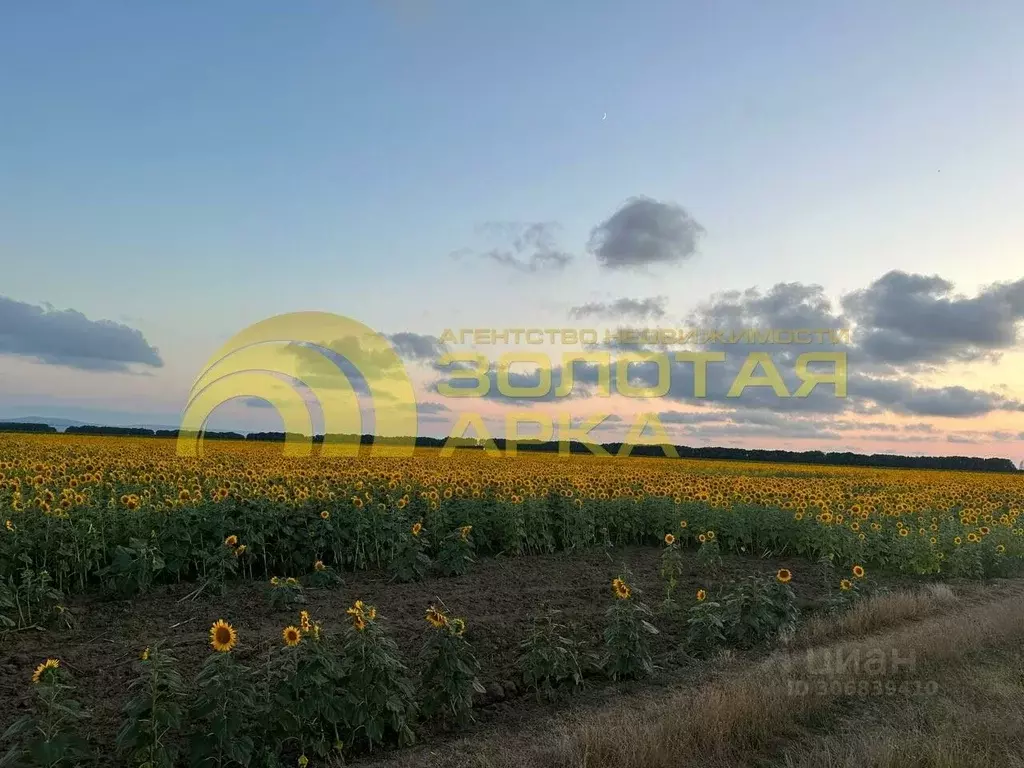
<point>171,173</point>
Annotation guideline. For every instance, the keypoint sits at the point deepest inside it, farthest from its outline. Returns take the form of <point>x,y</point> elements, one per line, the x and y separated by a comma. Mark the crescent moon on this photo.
<point>604,116</point>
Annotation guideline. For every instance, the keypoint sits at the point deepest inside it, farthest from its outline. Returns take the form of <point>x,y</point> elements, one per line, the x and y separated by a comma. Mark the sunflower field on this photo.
<point>128,513</point>
<point>272,557</point>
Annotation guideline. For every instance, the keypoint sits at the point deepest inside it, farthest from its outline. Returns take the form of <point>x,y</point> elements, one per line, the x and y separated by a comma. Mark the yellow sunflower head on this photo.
<point>417,528</point>
<point>325,515</point>
<point>436,618</point>
<point>669,539</point>
<point>846,585</point>
<point>784,576</point>
<point>858,571</point>
<point>231,541</point>
<point>319,565</point>
<point>701,595</point>
<point>223,636</point>
<point>44,668</point>
<point>621,589</point>
<point>291,636</point>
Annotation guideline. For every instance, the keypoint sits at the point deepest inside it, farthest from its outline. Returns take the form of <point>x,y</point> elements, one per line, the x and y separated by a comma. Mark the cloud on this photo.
<point>642,309</point>
<point>527,248</point>
<point>645,232</point>
<point>430,407</point>
<point>416,346</point>
<point>908,320</point>
<point>68,338</point>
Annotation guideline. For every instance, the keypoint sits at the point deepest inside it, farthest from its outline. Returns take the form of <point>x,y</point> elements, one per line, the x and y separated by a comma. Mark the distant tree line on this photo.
<point>838,459</point>
<point>17,426</point>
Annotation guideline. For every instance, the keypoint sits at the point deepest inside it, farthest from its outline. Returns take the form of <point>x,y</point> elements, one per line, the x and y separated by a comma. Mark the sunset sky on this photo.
<point>172,172</point>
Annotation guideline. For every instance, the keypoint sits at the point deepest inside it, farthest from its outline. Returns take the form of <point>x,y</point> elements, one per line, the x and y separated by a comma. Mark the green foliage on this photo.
<point>709,554</point>
<point>324,576</point>
<point>31,600</point>
<point>671,571</point>
<point>549,657</point>
<point>305,696</point>
<point>218,564</point>
<point>411,562</point>
<point>758,610</point>
<point>627,635</point>
<point>705,626</point>
<point>456,554</point>
<point>154,713</point>
<point>135,567</point>
<point>379,706</point>
<point>448,670</point>
<point>284,594</point>
<point>50,735</point>
<point>223,714</point>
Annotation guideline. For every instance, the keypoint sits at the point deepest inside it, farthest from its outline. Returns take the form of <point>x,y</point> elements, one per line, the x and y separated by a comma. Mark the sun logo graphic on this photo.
<point>293,359</point>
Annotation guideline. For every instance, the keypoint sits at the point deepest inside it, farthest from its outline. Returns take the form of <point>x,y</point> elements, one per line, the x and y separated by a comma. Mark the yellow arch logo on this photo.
<point>256,362</point>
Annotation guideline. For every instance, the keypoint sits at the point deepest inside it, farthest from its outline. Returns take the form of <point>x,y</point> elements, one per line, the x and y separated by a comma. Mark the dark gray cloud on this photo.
<point>417,347</point>
<point>430,407</point>
<point>877,382</point>
<point>526,248</point>
<point>908,320</point>
<point>652,308</point>
<point>68,338</point>
<point>645,232</point>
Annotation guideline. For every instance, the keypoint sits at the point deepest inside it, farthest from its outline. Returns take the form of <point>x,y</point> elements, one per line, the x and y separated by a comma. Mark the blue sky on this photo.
<point>189,168</point>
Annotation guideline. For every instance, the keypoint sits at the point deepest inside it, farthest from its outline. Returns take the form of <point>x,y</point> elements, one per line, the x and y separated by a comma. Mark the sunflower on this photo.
<point>9,525</point>
<point>144,655</point>
<point>846,585</point>
<point>231,541</point>
<point>274,581</point>
<point>701,595</point>
<point>1000,548</point>
<point>458,627</point>
<point>291,581</point>
<point>682,524</point>
<point>858,571</point>
<point>304,620</point>
<point>42,668</point>
<point>711,535</point>
<point>319,565</point>
<point>417,528</point>
<point>464,530</point>
<point>670,539</point>
<point>783,576</point>
<point>325,515</point>
<point>436,618</point>
<point>241,550</point>
<point>223,636</point>
<point>291,636</point>
<point>621,589</point>
<point>702,538</point>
